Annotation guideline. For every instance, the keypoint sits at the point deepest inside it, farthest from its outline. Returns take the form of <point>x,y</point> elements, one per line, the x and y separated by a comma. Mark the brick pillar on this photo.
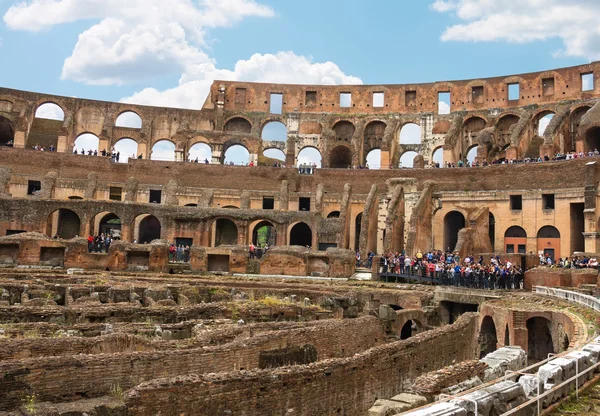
<point>385,159</point>
<point>61,146</point>
<point>19,140</point>
<point>512,153</point>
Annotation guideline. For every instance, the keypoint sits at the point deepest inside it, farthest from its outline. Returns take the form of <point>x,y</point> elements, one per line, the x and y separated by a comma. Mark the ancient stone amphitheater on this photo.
<point>132,330</point>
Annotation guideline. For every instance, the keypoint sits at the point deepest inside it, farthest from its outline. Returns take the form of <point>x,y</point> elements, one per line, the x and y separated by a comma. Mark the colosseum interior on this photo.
<point>300,330</point>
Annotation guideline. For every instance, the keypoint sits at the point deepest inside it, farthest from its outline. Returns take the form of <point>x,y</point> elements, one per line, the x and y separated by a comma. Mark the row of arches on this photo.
<point>65,223</point>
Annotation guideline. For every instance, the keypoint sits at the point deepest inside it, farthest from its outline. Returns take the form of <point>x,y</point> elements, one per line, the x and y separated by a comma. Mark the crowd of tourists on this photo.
<point>114,155</point>
<point>449,269</point>
<point>179,253</point>
<point>99,243</point>
<point>38,147</point>
<point>575,262</point>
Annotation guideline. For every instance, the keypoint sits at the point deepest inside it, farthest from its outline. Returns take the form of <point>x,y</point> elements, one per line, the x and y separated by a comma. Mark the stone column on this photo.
<point>217,153</point>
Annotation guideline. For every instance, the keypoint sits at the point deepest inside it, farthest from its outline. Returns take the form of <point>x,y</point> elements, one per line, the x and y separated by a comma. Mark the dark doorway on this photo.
<point>340,158</point>
<point>333,214</point>
<point>506,337</point>
<point>454,221</point>
<point>67,226</point>
<point>218,263</point>
<point>149,230</point>
<point>492,230</point>
<point>357,227</point>
<point>301,235</point>
<point>407,330</point>
<point>264,233</point>
<point>110,224</point>
<point>488,341</point>
<point>577,228</point>
<point>226,233</point>
<point>539,339</point>
<point>7,132</point>
<point>592,139</point>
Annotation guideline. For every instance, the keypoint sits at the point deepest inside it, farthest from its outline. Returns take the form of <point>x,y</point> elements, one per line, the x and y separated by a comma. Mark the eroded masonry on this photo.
<point>135,329</point>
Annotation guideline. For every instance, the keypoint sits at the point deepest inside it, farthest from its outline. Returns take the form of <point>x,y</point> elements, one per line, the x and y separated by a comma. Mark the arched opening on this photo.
<point>437,158</point>
<point>86,142</point>
<point>410,134</point>
<point>110,224</point>
<point>149,229</point>
<point>408,329</point>
<point>200,152</point>
<point>488,341</point>
<point>333,214</point>
<point>46,126</point>
<point>503,128</point>
<point>539,339</point>
<point>407,159</point>
<point>548,239</point>
<point>236,155</point>
<point>492,229</point>
<point>515,240</point>
<point>357,227</point>
<point>7,132</point>
<point>75,198</point>
<point>264,233</point>
<point>226,233</point>
<point>163,150</point>
<point>126,149</point>
<point>238,125</point>
<point>506,337</point>
<point>274,131</point>
<point>50,111</point>
<point>63,223</point>
<point>575,123</point>
<point>592,139</point>
<point>472,155</point>
<point>191,205</point>
<point>373,137</point>
<point>340,158</point>
<point>275,154</point>
<point>373,159</point>
<point>543,120</point>
<point>471,128</point>
<point>344,130</point>
<point>454,221</point>
<point>129,119</point>
<point>309,155</point>
<point>301,235</point>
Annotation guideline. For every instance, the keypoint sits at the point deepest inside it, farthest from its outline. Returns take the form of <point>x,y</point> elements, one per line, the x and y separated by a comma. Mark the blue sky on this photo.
<point>377,41</point>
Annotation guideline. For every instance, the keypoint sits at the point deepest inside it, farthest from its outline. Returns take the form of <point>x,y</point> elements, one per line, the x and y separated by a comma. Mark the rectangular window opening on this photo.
<point>587,82</point>
<point>276,103</point>
<point>410,98</point>
<point>345,99</point>
<point>548,201</point>
<point>14,232</point>
<point>521,249</point>
<point>155,196</point>
<point>477,93</point>
<point>268,202</point>
<point>516,202</point>
<point>548,86</point>
<point>444,102</point>
<point>514,92</point>
<point>510,248</point>
<point>304,204</point>
<point>240,95</point>
<point>115,193</point>
<point>311,99</point>
<point>378,99</point>
<point>33,187</point>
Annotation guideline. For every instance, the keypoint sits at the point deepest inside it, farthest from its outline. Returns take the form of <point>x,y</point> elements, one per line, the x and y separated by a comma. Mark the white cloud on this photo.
<point>135,39</point>
<point>520,21</point>
<point>283,67</point>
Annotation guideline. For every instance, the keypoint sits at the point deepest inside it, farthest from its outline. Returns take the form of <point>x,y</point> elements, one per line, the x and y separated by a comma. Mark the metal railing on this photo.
<point>582,299</point>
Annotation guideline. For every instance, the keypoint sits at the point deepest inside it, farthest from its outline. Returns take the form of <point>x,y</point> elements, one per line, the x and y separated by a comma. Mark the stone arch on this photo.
<point>236,152</point>
<point>148,228</point>
<point>200,151</point>
<point>373,135</point>
<point>488,338</point>
<point>340,157</point>
<point>129,119</point>
<point>63,223</point>
<point>344,130</point>
<point>334,214</point>
<point>273,131</point>
<point>75,198</point>
<point>373,159</point>
<point>410,133</point>
<point>300,234</point>
<point>274,153</point>
<point>225,232</point>
<point>454,221</point>
<point>127,148</point>
<point>50,110</point>
<point>471,128</point>
<point>309,154</point>
<point>408,321</point>
<point>515,240</point>
<point>107,223</point>
<point>539,339</point>
<point>7,132</point>
<point>592,139</point>
<point>472,153</point>
<point>163,149</point>
<point>575,121</point>
<point>237,124</point>
<point>407,159</point>
<point>87,141</point>
<point>263,232</point>
<point>503,128</point>
<point>437,157</point>
<point>548,231</point>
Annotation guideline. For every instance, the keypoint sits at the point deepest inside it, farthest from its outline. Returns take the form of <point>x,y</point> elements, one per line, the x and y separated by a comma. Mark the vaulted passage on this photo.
<point>63,223</point>
<point>340,157</point>
<point>488,339</point>
<point>454,221</point>
<point>539,339</point>
<point>592,139</point>
<point>301,235</point>
<point>226,233</point>
<point>7,131</point>
<point>149,229</point>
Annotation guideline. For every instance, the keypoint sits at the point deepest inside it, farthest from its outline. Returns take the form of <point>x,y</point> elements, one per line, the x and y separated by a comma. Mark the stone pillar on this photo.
<point>61,146</point>
<point>579,146</point>
<point>179,155</point>
<point>547,149</point>
<point>19,140</point>
<point>126,234</point>
<point>512,153</point>
<point>217,153</point>
<point>385,159</point>
<point>284,196</point>
<point>281,234</point>
<point>449,156</point>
